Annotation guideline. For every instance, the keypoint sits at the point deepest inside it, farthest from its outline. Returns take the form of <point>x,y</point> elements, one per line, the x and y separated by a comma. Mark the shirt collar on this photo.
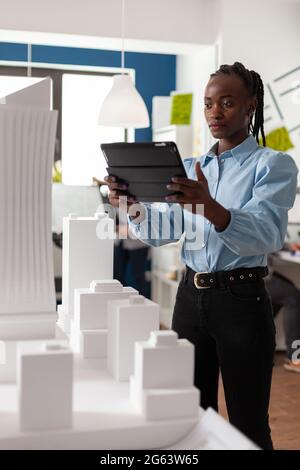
<point>240,153</point>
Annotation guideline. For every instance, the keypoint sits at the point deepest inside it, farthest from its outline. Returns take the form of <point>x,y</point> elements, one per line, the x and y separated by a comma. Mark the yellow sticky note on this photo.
<point>279,139</point>
<point>181,109</point>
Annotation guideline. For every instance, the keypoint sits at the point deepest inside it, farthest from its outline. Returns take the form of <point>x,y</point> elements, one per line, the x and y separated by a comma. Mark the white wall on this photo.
<point>265,35</point>
<point>161,20</point>
<point>193,72</point>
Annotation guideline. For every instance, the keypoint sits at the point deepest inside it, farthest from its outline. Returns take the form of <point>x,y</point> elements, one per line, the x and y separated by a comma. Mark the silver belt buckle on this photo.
<point>198,286</point>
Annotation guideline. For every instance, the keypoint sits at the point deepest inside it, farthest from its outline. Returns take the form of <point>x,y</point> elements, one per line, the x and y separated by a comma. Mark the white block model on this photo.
<point>27,306</point>
<point>129,320</point>
<point>85,257</point>
<point>45,385</point>
<point>8,361</point>
<point>89,328</point>
<point>162,385</point>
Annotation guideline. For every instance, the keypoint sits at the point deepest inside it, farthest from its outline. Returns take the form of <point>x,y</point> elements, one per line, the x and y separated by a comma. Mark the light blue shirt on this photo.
<point>258,186</point>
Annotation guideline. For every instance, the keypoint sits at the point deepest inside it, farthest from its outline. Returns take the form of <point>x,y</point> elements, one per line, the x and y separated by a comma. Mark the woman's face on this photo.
<point>227,106</point>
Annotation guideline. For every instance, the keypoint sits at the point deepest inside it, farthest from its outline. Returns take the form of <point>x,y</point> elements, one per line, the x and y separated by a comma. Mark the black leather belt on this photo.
<point>205,280</point>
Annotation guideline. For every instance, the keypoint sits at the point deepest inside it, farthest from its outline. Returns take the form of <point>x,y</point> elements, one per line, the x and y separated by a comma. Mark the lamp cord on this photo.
<point>123,37</point>
<point>29,58</point>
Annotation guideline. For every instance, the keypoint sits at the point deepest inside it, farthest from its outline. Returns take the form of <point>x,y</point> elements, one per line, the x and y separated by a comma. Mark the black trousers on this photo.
<point>233,331</point>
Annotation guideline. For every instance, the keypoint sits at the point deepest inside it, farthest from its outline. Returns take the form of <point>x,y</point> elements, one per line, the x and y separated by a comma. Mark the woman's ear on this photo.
<point>252,107</point>
<point>251,110</point>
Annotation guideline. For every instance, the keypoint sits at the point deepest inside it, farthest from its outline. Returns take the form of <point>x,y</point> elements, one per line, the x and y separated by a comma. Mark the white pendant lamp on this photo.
<point>123,106</point>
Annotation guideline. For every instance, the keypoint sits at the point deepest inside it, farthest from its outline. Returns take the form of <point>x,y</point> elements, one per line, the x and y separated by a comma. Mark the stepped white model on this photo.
<point>89,329</point>
<point>162,384</point>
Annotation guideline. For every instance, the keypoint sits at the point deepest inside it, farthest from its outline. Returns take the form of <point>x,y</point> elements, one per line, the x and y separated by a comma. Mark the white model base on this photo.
<point>103,417</point>
<point>213,432</point>
<point>23,326</point>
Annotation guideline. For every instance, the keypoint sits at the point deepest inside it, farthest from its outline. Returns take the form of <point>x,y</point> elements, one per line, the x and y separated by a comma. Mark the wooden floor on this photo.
<point>284,407</point>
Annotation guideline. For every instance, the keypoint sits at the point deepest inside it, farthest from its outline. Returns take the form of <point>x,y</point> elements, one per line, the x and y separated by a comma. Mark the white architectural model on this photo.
<point>129,320</point>
<point>45,385</point>
<point>55,386</point>
<point>162,385</point>
<point>85,257</point>
<point>27,136</point>
<point>90,325</point>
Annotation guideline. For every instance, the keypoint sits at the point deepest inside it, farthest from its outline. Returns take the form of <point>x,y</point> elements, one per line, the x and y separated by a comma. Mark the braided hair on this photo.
<point>254,85</point>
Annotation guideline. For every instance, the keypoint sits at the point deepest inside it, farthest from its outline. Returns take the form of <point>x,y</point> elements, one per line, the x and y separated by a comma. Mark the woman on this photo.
<point>222,306</point>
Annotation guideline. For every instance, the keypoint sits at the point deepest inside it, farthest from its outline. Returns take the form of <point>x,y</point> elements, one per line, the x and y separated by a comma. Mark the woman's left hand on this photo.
<point>192,192</point>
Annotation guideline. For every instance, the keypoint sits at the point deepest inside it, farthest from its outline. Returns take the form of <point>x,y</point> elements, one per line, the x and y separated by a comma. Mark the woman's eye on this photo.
<point>207,105</point>
<point>227,103</point>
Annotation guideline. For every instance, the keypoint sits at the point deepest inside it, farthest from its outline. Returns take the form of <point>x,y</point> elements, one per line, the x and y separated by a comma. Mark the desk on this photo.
<point>286,256</point>
<point>289,266</point>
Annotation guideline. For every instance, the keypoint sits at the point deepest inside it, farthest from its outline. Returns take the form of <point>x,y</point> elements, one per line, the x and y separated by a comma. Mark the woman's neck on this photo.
<point>231,142</point>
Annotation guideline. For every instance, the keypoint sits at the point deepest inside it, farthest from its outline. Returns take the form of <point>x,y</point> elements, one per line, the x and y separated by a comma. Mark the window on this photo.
<point>82,96</point>
<point>77,95</point>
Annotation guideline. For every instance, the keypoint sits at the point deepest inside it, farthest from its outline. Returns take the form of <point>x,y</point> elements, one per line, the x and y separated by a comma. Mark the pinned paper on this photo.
<point>181,110</point>
<point>279,139</point>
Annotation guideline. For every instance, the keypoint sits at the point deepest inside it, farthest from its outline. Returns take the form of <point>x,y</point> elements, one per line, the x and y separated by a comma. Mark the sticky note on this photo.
<point>181,109</point>
<point>279,139</point>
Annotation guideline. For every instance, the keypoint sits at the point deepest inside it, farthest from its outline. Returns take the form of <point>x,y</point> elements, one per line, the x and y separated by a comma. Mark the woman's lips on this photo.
<point>216,126</point>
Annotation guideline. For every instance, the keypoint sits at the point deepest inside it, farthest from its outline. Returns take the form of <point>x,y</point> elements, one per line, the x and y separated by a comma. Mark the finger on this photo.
<point>110,179</point>
<point>176,187</point>
<point>122,186</point>
<point>178,198</point>
<point>183,181</point>
<point>115,201</point>
<point>199,172</point>
<point>116,193</point>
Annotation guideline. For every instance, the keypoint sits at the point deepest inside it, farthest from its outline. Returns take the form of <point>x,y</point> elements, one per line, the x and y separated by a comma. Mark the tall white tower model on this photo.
<point>87,255</point>
<point>27,305</point>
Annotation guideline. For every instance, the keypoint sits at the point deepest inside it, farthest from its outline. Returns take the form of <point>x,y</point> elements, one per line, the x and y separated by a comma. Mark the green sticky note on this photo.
<point>181,111</point>
<point>279,139</point>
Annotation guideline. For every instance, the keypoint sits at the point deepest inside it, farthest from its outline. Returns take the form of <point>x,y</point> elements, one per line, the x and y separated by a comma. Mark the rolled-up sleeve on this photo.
<point>259,227</point>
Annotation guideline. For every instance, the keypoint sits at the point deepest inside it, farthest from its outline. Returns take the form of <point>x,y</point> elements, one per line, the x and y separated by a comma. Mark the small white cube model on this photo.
<point>87,254</point>
<point>162,385</point>
<point>129,320</point>
<point>45,385</point>
<point>90,309</point>
<point>89,328</point>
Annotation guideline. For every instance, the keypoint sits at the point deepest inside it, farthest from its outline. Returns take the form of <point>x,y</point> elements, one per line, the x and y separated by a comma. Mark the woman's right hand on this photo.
<point>116,190</point>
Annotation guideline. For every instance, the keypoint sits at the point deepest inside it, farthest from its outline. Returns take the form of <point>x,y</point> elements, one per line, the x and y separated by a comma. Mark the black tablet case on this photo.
<point>147,167</point>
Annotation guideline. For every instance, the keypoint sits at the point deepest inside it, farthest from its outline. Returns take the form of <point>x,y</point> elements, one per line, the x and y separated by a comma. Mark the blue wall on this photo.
<point>155,73</point>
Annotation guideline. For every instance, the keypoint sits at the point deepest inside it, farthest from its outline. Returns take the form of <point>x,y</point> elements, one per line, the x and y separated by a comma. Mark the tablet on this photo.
<point>147,167</point>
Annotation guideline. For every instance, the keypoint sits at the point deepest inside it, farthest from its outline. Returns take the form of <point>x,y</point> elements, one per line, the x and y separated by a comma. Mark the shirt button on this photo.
<point>203,244</point>
<point>222,161</point>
